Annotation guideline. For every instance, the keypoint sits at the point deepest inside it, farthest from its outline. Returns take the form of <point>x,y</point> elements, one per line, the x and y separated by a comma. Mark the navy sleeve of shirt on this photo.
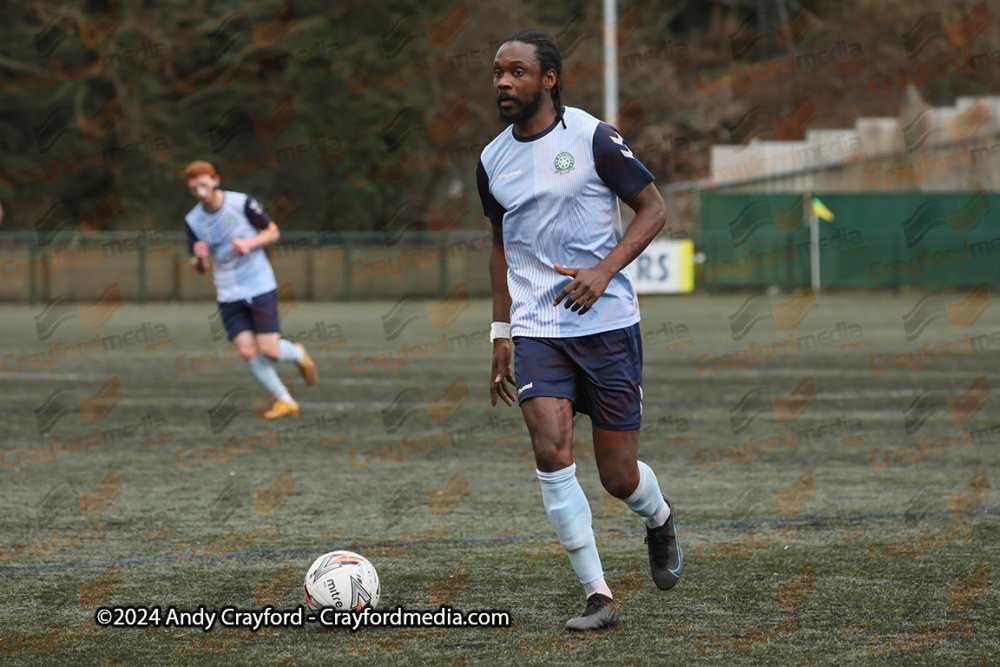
<point>192,239</point>
<point>255,214</point>
<point>491,207</point>
<point>620,170</point>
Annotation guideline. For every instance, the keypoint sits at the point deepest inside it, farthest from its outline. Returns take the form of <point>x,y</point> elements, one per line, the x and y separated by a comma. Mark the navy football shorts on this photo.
<point>601,374</point>
<point>258,314</point>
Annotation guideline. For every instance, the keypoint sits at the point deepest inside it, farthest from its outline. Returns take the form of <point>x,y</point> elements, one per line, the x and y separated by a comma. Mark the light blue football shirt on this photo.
<point>556,196</point>
<point>240,217</point>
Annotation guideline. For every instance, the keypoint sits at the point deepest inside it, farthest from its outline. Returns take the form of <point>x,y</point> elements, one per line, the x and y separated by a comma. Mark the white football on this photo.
<point>342,580</point>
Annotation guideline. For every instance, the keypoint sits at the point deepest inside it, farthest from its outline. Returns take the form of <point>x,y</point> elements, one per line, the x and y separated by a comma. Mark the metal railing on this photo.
<point>34,266</point>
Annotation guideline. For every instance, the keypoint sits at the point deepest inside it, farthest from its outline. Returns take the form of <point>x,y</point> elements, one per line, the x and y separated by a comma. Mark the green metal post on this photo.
<point>141,246</point>
<point>348,291</point>
<point>32,276</point>
<point>443,288</point>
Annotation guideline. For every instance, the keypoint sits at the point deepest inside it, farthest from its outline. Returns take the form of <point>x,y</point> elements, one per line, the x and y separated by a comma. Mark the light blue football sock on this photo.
<point>267,376</point>
<point>288,352</point>
<point>647,500</point>
<point>569,513</point>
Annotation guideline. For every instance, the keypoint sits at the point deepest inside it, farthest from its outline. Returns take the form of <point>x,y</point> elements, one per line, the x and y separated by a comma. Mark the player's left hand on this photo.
<point>242,246</point>
<point>583,291</point>
<point>501,373</point>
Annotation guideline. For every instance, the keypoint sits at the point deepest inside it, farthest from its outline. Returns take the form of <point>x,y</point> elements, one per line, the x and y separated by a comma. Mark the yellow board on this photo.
<point>664,267</point>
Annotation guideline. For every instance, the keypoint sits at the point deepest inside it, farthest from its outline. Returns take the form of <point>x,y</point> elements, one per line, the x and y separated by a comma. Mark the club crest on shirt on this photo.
<point>564,163</point>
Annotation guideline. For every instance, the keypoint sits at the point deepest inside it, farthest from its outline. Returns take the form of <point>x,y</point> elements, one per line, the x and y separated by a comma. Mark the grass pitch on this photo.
<point>829,514</point>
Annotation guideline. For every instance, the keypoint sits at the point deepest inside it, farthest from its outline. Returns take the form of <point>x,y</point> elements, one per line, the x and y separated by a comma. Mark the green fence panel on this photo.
<point>876,240</point>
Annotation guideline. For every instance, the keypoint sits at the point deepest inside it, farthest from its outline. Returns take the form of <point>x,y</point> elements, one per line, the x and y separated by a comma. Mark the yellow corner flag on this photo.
<point>821,211</point>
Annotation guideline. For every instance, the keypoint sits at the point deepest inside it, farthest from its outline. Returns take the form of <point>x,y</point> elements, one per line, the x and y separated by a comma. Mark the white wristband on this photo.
<point>499,330</point>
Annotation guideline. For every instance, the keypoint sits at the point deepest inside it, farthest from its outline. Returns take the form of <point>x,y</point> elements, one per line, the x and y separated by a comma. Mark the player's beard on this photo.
<point>525,110</point>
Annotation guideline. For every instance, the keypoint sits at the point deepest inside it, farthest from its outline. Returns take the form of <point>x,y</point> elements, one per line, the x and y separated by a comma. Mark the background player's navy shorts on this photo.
<point>259,314</point>
<point>600,373</point>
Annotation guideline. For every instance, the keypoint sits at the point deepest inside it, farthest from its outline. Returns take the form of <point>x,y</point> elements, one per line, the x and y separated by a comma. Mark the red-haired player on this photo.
<point>234,229</point>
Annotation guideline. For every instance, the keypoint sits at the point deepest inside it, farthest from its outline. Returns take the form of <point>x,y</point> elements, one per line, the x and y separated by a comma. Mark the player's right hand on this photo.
<point>201,249</point>
<point>501,374</point>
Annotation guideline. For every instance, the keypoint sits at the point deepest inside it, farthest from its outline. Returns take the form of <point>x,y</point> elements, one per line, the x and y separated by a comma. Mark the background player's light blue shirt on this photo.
<point>556,196</point>
<point>240,217</point>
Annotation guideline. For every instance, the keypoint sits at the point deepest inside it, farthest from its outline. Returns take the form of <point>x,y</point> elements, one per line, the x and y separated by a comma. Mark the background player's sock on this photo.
<point>267,376</point>
<point>569,513</point>
<point>647,500</point>
<point>287,351</point>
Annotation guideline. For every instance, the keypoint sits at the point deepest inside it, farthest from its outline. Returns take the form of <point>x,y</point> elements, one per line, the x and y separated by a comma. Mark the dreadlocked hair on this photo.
<point>549,58</point>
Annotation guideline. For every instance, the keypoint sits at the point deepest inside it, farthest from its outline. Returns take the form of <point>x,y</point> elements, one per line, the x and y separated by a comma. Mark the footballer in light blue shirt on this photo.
<point>234,229</point>
<point>550,185</point>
